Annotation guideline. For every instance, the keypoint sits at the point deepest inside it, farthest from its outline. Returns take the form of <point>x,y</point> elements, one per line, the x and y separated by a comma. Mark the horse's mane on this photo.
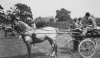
<point>23,26</point>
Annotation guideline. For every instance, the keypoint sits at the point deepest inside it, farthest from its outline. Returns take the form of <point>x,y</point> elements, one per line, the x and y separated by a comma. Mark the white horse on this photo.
<point>32,36</point>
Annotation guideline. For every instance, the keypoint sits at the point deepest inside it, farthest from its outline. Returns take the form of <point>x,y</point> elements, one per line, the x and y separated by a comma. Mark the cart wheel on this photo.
<point>70,46</point>
<point>94,40</point>
<point>86,48</point>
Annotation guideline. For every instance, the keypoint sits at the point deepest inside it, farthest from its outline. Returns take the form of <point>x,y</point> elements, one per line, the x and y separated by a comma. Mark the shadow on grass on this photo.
<point>33,55</point>
<point>9,37</point>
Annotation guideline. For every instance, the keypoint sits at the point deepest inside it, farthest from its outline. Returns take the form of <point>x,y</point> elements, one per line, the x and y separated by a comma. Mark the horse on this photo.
<point>8,29</point>
<point>31,36</point>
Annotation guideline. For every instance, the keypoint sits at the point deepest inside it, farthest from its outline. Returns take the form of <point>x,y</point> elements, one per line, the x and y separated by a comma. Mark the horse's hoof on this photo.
<point>54,56</point>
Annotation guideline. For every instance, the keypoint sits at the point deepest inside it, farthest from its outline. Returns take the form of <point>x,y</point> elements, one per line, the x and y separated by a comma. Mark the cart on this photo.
<point>84,45</point>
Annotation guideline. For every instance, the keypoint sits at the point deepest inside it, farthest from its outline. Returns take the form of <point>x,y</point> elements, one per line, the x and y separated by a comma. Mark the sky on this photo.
<point>44,8</point>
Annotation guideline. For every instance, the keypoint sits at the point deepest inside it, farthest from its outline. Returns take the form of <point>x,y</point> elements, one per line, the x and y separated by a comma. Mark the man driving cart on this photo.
<point>88,20</point>
<point>87,23</point>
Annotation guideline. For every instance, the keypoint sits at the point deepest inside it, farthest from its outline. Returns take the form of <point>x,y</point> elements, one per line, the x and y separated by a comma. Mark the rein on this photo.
<point>46,30</point>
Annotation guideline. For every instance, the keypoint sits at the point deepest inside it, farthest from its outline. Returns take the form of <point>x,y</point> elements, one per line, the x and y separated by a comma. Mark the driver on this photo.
<point>86,21</point>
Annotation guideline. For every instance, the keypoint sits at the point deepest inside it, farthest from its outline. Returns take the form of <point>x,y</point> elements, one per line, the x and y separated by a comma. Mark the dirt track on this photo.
<point>15,48</point>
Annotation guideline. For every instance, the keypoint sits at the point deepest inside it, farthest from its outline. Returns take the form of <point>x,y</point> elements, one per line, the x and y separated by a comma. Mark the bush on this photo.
<point>41,24</point>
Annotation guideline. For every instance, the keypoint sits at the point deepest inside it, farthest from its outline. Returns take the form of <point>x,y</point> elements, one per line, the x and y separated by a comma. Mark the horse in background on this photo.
<point>7,29</point>
<point>32,36</point>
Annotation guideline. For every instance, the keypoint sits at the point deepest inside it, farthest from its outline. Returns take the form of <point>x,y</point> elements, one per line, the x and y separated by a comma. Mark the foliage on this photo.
<point>2,16</point>
<point>63,15</point>
<point>41,21</point>
<point>41,24</point>
<point>44,19</point>
<point>3,20</point>
<point>23,12</point>
<point>52,19</point>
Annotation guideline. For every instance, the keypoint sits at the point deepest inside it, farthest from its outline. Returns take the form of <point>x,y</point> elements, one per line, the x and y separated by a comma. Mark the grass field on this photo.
<point>15,48</point>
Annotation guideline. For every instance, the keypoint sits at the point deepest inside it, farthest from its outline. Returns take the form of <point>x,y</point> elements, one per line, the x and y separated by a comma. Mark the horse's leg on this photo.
<point>12,33</point>
<point>5,33</point>
<point>54,46</point>
<point>28,43</point>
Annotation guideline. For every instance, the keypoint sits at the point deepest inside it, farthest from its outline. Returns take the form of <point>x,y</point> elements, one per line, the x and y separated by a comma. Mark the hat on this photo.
<point>87,14</point>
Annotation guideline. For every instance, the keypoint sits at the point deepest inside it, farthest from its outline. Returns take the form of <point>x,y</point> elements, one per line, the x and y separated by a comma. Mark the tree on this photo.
<point>22,11</point>
<point>3,18</point>
<point>52,20</point>
<point>63,15</point>
<point>45,19</point>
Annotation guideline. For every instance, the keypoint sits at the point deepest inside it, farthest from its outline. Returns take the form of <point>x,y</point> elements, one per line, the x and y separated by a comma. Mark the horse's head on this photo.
<point>16,26</point>
<point>21,26</point>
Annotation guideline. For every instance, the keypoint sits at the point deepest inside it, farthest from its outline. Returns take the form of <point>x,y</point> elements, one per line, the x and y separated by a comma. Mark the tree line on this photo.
<point>23,12</point>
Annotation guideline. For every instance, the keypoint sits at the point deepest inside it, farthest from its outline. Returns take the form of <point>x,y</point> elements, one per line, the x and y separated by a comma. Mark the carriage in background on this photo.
<point>85,45</point>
